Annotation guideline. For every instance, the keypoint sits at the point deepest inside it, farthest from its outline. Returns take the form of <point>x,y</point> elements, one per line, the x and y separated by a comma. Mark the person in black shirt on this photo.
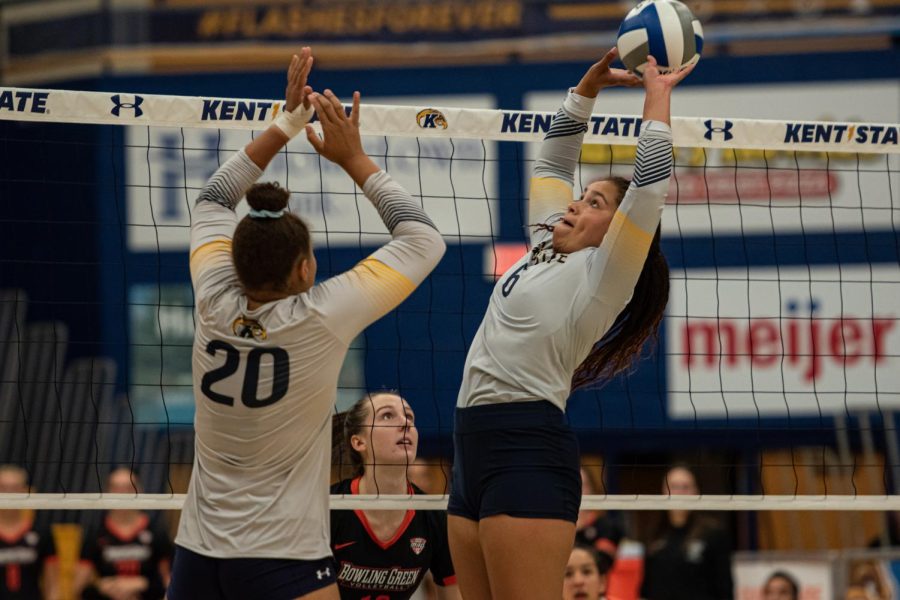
<point>383,555</point>
<point>25,551</point>
<point>130,555</point>
<point>689,558</point>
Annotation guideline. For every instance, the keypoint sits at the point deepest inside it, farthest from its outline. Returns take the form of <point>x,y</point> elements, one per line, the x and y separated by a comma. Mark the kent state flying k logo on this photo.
<point>248,328</point>
<point>431,118</point>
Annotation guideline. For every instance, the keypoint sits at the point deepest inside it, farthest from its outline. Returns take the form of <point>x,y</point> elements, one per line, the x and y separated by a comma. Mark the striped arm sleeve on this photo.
<point>394,204</point>
<point>353,300</point>
<point>654,160</point>
<point>617,263</point>
<point>554,169</point>
<point>230,182</point>
<point>212,225</point>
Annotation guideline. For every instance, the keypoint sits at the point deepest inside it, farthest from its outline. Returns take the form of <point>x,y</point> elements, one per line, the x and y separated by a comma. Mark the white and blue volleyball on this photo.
<point>665,29</point>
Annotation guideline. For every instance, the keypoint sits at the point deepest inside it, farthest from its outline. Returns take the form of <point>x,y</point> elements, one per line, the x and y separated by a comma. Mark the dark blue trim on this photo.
<point>655,37</point>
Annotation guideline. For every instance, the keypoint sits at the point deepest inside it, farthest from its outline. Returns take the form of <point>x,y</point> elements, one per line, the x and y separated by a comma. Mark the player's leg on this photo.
<point>526,558</point>
<point>529,501</point>
<point>468,560</point>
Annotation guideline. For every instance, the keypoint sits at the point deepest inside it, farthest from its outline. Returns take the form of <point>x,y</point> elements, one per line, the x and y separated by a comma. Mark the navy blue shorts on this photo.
<point>519,459</point>
<point>198,577</point>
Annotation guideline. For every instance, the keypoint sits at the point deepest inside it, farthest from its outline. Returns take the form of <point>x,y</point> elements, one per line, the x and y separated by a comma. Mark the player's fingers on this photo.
<point>314,140</point>
<point>354,112</point>
<point>684,72</point>
<point>324,107</point>
<point>609,57</point>
<point>306,61</point>
<point>335,105</point>
<point>307,92</point>
<point>318,104</point>
<point>293,67</point>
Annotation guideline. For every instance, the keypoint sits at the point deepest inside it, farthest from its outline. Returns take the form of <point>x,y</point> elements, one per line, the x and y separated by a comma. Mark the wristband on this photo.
<point>292,122</point>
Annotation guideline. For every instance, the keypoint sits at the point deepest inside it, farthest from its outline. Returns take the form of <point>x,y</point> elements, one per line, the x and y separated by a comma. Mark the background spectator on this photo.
<point>689,557</point>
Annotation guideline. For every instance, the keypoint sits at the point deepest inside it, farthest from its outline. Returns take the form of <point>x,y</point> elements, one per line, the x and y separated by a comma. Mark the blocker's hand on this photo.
<point>600,76</point>
<point>297,92</point>
<point>654,81</point>
<point>340,142</point>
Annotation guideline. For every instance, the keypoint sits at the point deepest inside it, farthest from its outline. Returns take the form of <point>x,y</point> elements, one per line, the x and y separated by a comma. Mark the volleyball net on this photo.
<point>776,376</point>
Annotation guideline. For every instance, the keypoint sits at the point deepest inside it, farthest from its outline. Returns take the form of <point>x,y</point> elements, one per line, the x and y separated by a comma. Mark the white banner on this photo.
<point>167,167</point>
<point>61,106</point>
<point>783,342</point>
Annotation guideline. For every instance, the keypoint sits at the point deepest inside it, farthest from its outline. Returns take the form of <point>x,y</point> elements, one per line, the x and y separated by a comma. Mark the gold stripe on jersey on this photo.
<point>385,286</point>
<point>630,244</point>
<point>208,252</point>
<point>549,195</point>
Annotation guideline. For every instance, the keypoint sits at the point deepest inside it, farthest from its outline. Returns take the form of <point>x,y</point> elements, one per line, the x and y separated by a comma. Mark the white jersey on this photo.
<point>548,310</point>
<point>265,380</point>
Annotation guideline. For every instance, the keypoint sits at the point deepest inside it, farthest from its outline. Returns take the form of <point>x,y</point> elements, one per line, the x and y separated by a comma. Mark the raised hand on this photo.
<point>654,81</point>
<point>600,76</point>
<point>297,92</point>
<point>340,142</point>
<point>658,90</point>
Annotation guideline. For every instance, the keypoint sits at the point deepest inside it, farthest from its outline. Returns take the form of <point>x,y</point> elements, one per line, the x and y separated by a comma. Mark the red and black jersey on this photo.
<point>369,569</point>
<point>22,556</point>
<point>137,551</point>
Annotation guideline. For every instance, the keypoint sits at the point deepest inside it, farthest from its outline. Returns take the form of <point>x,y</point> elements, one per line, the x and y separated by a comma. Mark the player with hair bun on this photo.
<point>573,311</point>
<point>268,347</point>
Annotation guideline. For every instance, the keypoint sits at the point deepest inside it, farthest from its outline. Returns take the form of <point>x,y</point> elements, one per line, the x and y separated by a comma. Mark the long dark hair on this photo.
<point>265,250</point>
<point>620,348</point>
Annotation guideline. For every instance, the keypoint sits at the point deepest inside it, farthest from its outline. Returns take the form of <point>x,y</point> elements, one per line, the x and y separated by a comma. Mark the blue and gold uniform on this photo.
<point>515,454</point>
<point>265,379</point>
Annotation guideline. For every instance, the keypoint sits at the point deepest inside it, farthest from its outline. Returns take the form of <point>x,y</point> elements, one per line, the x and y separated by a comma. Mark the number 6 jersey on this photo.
<point>549,309</point>
<point>265,380</point>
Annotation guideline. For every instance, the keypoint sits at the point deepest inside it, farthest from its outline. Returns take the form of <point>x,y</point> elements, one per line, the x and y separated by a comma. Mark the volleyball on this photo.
<point>665,29</point>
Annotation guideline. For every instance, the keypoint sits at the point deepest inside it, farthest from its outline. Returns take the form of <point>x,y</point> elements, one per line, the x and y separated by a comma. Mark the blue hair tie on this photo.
<point>266,214</point>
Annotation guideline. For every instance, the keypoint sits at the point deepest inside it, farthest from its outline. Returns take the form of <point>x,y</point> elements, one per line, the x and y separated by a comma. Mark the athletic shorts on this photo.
<point>198,577</point>
<point>519,459</point>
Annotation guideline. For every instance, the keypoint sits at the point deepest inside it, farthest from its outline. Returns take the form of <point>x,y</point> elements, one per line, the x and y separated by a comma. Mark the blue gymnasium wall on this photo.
<point>75,178</point>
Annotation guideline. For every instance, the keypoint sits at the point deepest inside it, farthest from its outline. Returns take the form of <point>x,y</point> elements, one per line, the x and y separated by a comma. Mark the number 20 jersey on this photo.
<point>265,380</point>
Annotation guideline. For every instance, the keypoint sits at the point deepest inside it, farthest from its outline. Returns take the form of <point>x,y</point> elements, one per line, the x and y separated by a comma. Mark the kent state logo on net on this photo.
<point>724,130</point>
<point>431,118</point>
<point>120,103</point>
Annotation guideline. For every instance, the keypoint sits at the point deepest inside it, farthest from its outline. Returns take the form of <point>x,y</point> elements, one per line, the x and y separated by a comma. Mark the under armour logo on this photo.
<point>320,575</point>
<point>119,105</point>
<point>725,130</point>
